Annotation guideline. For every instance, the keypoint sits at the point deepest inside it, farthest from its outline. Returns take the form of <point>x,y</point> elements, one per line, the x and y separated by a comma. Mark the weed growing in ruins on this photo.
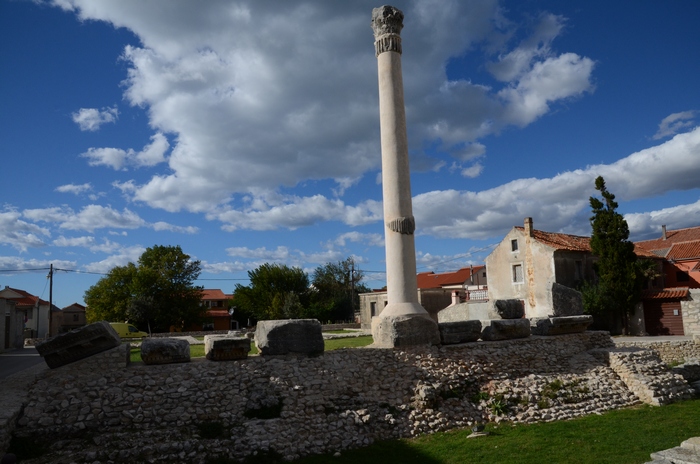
<point>543,403</point>
<point>481,396</point>
<point>499,406</point>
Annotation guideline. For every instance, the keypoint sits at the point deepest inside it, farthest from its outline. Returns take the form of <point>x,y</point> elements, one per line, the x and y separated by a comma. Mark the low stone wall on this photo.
<point>103,409</point>
<point>670,351</point>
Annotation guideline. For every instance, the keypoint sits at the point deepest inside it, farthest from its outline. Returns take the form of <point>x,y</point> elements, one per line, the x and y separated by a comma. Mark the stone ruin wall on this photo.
<point>295,406</point>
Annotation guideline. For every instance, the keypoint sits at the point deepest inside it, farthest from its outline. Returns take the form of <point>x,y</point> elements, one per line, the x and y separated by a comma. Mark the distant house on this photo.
<point>527,262</point>
<point>11,325</point>
<point>36,311</point>
<point>436,291</point>
<point>675,308</point>
<point>219,312</point>
<point>69,318</point>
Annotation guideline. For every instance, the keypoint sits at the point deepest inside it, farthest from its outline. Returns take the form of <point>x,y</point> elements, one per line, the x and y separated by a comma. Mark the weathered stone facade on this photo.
<point>298,405</point>
<point>690,309</point>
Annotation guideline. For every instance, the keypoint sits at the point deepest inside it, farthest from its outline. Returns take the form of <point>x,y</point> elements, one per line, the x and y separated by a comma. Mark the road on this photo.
<point>14,361</point>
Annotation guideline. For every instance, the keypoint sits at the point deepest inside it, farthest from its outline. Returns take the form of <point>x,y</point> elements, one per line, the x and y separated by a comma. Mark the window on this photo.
<point>682,276</point>
<point>373,308</point>
<point>514,245</point>
<point>517,273</point>
<point>578,274</point>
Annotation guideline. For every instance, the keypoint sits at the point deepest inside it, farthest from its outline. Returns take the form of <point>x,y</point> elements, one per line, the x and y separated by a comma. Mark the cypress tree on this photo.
<point>615,268</point>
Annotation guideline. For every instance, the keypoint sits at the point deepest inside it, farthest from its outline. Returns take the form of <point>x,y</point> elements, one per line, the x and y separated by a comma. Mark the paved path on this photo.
<point>14,361</point>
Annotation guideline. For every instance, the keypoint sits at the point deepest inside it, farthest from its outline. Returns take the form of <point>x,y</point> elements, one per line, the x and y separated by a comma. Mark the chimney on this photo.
<point>455,297</point>
<point>663,232</point>
<point>529,231</point>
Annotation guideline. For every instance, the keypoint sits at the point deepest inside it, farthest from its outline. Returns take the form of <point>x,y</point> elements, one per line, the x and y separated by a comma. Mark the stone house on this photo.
<point>675,308</point>
<point>69,318</point>
<point>37,316</point>
<point>527,262</point>
<point>436,291</point>
<point>11,325</point>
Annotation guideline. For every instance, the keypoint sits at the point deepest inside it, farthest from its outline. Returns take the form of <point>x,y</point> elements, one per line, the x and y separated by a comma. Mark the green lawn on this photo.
<point>625,436</point>
<point>197,351</point>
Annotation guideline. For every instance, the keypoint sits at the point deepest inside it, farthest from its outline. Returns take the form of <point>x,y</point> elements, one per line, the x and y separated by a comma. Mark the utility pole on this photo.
<point>50,276</point>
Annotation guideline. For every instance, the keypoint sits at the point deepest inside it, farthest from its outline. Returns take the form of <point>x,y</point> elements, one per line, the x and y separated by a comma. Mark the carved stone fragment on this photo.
<point>506,329</point>
<point>77,344</point>
<point>165,351</point>
<point>510,309</point>
<point>226,348</point>
<point>459,332</point>
<point>566,301</point>
<point>560,325</point>
<point>301,336</point>
<point>403,225</point>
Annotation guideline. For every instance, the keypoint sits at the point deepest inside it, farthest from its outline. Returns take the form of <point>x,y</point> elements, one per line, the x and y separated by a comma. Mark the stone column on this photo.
<point>403,321</point>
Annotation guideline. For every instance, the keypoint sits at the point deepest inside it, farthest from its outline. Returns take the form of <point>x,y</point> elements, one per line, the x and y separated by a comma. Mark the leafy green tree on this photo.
<point>336,287</point>
<point>158,292</point>
<point>276,291</point>
<point>109,298</point>
<point>618,285</point>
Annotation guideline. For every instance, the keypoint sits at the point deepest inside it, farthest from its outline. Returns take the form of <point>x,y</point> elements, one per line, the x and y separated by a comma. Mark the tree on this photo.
<point>276,291</point>
<point>109,298</point>
<point>618,286</point>
<point>336,287</point>
<point>157,292</point>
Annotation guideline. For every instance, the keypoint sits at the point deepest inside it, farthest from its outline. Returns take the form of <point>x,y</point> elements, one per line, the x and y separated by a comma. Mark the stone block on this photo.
<point>566,301</point>
<point>401,331</point>
<point>300,336</point>
<point>165,350</point>
<point>77,344</point>
<point>506,329</point>
<point>560,325</point>
<point>459,332</point>
<point>226,348</point>
<point>510,309</point>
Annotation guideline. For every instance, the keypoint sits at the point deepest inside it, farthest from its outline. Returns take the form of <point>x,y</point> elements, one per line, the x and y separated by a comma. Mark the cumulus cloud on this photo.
<point>123,257</point>
<point>118,159</point>
<point>281,253</point>
<point>74,189</point>
<point>290,95</point>
<point>375,240</point>
<point>675,123</point>
<point>90,119</point>
<point>17,263</point>
<point>560,203</point>
<point>647,225</point>
<point>20,234</point>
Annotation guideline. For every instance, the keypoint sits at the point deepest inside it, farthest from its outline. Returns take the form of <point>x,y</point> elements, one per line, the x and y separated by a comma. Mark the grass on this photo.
<point>625,436</point>
<point>197,351</point>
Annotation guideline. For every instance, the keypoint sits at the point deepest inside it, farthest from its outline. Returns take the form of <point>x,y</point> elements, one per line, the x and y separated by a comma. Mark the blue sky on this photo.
<point>247,132</point>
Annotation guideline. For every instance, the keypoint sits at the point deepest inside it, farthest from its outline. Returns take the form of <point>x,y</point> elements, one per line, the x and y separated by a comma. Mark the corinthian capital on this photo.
<point>387,22</point>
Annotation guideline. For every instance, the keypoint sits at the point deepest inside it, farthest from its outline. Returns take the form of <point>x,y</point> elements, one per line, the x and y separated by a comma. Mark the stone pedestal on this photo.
<point>404,330</point>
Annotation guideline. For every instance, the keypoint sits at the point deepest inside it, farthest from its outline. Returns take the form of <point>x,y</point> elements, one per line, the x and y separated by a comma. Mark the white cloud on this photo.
<point>20,234</point>
<point>89,218</point>
<point>88,242</point>
<point>16,263</point>
<point>74,189</point>
<point>290,95</point>
<point>675,123</point>
<point>294,212</point>
<point>125,256</point>
<point>560,203</point>
<point>118,159</point>
<point>90,119</point>
<point>172,228</point>
<point>281,253</point>
<point>644,226</point>
<point>376,240</point>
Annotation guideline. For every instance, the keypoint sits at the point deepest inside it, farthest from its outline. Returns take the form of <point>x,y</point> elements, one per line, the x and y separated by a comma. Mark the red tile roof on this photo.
<point>672,236</point>
<point>675,293</point>
<point>27,298</point>
<point>684,250</point>
<point>433,280</point>
<point>214,294</point>
<point>561,241</point>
